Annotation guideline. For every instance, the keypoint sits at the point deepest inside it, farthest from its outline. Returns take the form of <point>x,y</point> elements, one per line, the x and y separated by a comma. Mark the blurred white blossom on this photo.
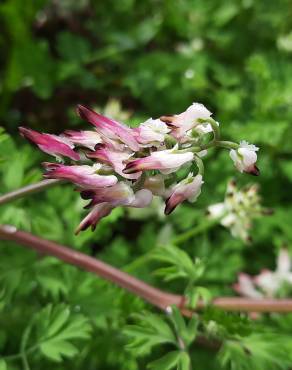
<point>239,208</point>
<point>268,283</point>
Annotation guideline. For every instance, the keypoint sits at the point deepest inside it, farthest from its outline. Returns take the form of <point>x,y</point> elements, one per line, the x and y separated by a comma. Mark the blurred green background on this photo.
<point>134,60</point>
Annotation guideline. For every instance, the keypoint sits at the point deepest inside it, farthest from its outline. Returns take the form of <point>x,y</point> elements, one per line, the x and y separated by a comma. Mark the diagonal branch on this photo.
<point>151,294</point>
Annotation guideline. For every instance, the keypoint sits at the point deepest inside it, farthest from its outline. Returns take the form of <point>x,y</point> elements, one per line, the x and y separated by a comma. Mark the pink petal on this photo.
<point>50,144</point>
<point>88,139</point>
<point>160,160</point>
<point>94,216</point>
<point>172,202</point>
<point>115,159</point>
<point>109,127</point>
<point>118,194</point>
<point>84,176</point>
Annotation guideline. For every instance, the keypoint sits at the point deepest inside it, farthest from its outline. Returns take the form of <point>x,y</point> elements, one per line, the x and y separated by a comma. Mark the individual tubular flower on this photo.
<point>51,144</point>
<point>109,128</point>
<point>268,283</point>
<point>152,132</point>
<point>94,216</point>
<point>187,189</point>
<point>140,199</point>
<point>186,121</point>
<point>83,176</point>
<point>239,208</point>
<point>118,194</point>
<point>87,139</point>
<point>245,158</point>
<point>114,158</point>
<point>166,161</point>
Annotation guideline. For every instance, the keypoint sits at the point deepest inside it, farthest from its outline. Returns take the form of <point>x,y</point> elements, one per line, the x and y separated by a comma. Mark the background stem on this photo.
<point>196,230</point>
<point>29,189</point>
<point>152,295</point>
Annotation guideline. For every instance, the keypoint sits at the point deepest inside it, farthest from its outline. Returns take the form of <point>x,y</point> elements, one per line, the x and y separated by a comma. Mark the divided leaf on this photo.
<point>57,328</point>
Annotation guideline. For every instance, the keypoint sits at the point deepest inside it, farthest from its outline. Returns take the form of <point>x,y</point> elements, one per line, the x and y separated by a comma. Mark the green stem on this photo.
<point>11,357</point>
<point>196,230</point>
<point>27,190</point>
<point>199,164</point>
<point>19,356</point>
<point>24,361</point>
<point>215,128</point>
<point>227,144</point>
<point>138,262</point>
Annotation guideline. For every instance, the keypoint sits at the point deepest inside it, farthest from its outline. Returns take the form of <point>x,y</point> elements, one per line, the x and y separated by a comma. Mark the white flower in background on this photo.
<point>239,208</point>
<point>271,281</point>
<point>245,158</point>
<point>268,283</point>
<point>246,286</point>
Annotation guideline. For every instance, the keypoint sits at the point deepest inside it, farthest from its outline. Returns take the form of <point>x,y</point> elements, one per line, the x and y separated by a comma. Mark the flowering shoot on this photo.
<point>114,165</point>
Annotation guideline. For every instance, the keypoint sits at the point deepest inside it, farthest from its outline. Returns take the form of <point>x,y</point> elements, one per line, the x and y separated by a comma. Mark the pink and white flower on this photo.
<point>271,281</point>
<point>83,176</point>
<point>185,121</point>
<point>51,144</point>
<point>166,161</point>
<point>109,128</point>
<point>152,132</point>
<point>121,196</point>
<point>268,283</point>
<point>187,189</point>
<point>118,194</point>
<point>88,139</point>
<point>114,158</point>
<point>245,158</point>
<point>246,287</point>
<point>94,216</point>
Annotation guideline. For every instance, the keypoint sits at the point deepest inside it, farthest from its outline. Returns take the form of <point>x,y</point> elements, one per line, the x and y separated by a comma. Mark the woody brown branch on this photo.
<point>156,297</point>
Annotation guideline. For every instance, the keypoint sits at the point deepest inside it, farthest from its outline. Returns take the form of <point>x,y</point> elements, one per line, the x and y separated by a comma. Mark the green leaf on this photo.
<point>258,351</point>
<point>167,362</point>
<point>184,361</point>
<point>3,365</point>
<point>55,349</point>
<point>187,332</point>
<point>57,328</point>
<point>150,331</point>
<point>14,172</point>
<point>181,265</point>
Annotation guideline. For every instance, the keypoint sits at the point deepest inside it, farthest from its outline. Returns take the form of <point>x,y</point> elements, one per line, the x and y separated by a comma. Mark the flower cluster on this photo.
<point>267,283</point>
<point>239,208</point>
<point>115,165</point>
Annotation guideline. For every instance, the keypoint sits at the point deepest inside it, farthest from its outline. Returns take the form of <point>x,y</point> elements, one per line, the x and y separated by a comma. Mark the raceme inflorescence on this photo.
<point>115,165</point>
